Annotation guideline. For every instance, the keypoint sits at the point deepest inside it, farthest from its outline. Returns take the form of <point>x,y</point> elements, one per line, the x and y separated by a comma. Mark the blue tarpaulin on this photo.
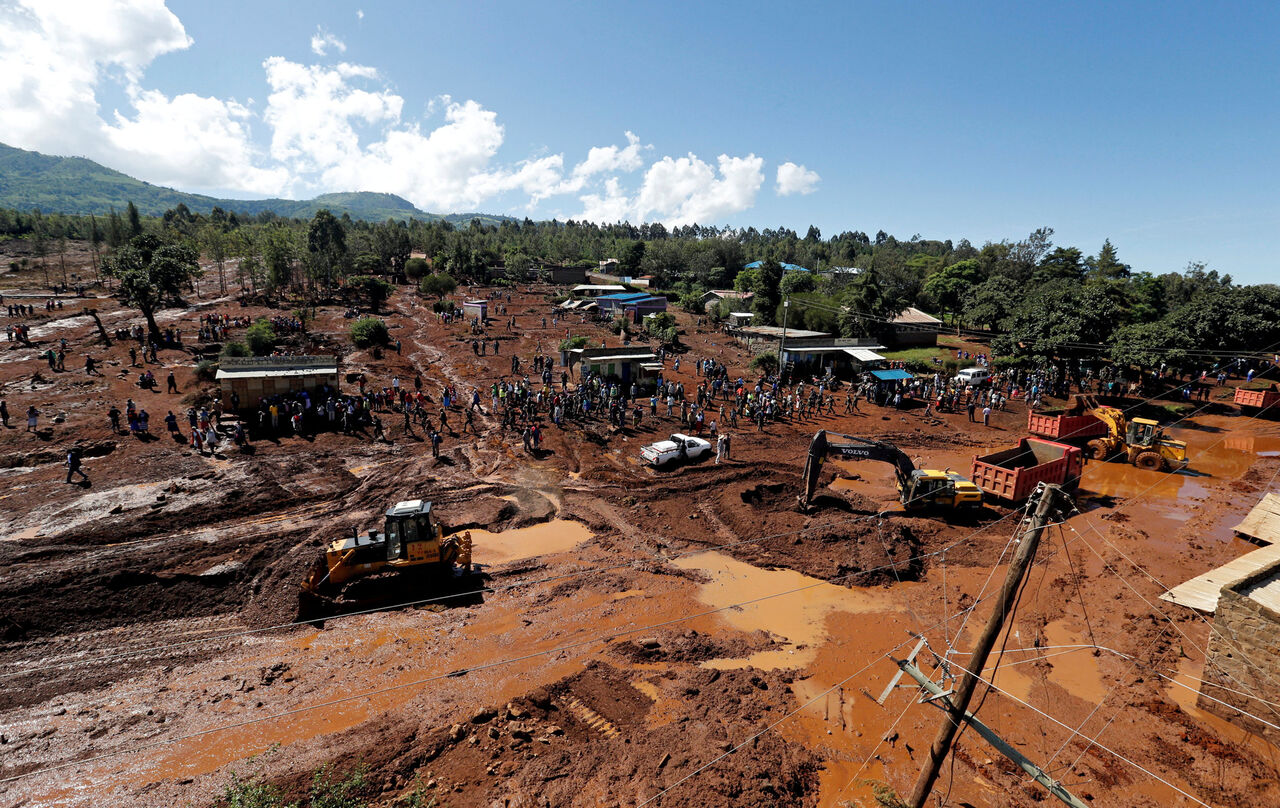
<point>892,375</point>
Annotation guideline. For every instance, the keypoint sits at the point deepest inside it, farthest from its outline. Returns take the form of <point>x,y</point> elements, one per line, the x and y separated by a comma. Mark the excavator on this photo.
<point>411,541</point>
<point>917,488</point>
<point>1139,441</point>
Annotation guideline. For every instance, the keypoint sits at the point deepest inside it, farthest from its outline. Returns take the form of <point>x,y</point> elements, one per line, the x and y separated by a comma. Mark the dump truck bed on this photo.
<point>1062,426</point>
<point>1258,399</point>
<point>1012,474</point>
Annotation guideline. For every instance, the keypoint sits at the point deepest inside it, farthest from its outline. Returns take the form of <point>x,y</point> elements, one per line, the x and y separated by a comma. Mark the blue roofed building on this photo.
<point>633,304</point>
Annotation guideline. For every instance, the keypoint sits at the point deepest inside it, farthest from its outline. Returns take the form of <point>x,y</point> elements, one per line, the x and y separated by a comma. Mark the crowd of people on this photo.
<point>214,327</point>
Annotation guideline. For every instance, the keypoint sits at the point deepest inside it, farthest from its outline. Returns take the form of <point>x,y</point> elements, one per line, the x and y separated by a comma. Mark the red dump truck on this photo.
<point>1012,474</point>
<point>1064,425</point>
<point>1257,399</point>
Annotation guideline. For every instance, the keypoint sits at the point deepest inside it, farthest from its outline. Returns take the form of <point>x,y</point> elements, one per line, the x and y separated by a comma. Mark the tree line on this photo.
<point>1033,299</point>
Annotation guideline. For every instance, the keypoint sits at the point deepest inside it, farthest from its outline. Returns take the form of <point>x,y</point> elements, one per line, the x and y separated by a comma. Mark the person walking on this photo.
<point>171,383</point>
<point>73,464</point>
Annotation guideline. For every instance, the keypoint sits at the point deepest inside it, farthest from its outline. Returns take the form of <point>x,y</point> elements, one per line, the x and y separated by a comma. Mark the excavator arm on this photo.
<point>849,447</point>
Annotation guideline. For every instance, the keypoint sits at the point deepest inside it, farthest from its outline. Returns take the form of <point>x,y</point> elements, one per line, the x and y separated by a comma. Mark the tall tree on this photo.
<point>1063,263</point>
<point>327,246</point>
<point>949,285</point>
<point>135,220</point>
<point>95,243</point>
<point>766,293</point>
<point>152,275</point>
<point>1106,264</point>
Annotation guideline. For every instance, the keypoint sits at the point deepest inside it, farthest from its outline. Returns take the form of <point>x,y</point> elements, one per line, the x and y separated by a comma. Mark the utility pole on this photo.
<point>782,344</point>
<point>958,704</point>
<point>937,694</point>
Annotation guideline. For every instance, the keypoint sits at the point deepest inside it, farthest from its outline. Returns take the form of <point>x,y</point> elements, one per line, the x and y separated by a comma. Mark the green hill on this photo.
<point>75,185</point>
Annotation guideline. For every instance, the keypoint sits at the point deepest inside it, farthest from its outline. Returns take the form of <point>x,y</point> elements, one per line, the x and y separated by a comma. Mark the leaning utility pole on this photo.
<point>958,705</point>
<point>938,695</point>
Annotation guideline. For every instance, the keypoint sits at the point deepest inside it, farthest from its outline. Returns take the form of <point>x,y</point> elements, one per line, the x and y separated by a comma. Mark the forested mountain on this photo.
<point>75,185</point>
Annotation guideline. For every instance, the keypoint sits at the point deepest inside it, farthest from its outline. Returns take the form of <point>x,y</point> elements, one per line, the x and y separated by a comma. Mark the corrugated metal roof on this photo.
<point>864,354</point>
<point>274,374</point>
<point>914,315</point>
<point>618,357</point>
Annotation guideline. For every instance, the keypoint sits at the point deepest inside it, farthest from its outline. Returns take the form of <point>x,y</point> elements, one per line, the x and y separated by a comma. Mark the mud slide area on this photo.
<point>626,636</point>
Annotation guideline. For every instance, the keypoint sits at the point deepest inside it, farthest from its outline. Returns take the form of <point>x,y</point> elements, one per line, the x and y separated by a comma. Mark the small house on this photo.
<point>632,304</point>
<point>715,296</point>
<point>624,365</point>
<point>256,377</point>
<point>475,309</point>
<point>913,328</point>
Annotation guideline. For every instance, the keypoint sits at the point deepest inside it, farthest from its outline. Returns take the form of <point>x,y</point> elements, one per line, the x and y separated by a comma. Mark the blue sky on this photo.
<point>1152,124</point>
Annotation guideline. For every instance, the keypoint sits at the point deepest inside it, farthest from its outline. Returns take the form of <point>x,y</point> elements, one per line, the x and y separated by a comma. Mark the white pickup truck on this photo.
<point>679,447</point>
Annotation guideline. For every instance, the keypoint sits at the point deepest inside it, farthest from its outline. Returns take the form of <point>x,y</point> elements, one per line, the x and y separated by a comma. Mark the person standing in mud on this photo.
<point>171,383</point>
<point>435,444</point>
<point>33,419</point>
<point>4,414</point>
<point>73,465</point>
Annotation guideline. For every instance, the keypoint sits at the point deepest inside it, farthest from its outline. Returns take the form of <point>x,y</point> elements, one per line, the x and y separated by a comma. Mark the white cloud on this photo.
<point>189,138</point>
<point>602,159</point>
<point>680,191</point>
<point>56,54</point>
<point>796,179</point>
<point>686,190</point>
<point>313,112</point>
<point>322,128</point>
<point>322,40</point>
<point>612,206</point>
<point>359,14</point>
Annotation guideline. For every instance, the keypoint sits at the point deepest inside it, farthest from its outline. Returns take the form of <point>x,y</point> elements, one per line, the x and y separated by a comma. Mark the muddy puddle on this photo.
<point>797,619</point>
<point>556,536</point>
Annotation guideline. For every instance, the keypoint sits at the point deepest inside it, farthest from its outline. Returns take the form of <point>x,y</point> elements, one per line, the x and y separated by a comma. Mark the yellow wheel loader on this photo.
<point>917,488</point>
<point>411,541</point>
<point>1139,441</point>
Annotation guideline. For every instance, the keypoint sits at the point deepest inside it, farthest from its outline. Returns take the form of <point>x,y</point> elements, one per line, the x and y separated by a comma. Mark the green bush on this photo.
<point>765,363</point>
<point>252,793</point>
<point>573,342</point>
<point>369,331</point>
<point>437,284</point>
<point>261,338</point>
<point>328,790</point>
<point>442,306</point>
<point>207,369</point>
<point>236,349</point>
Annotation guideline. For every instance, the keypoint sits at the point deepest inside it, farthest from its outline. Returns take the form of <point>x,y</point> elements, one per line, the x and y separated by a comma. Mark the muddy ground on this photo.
<point>684,636</point>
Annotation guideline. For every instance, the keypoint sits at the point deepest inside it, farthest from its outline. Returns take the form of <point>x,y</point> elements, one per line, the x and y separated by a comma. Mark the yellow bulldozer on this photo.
<point>411,541</point>
<point>1140,441</point>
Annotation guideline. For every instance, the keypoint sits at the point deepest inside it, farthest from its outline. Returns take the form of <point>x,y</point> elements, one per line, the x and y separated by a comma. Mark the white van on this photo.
<point>973,377</point>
